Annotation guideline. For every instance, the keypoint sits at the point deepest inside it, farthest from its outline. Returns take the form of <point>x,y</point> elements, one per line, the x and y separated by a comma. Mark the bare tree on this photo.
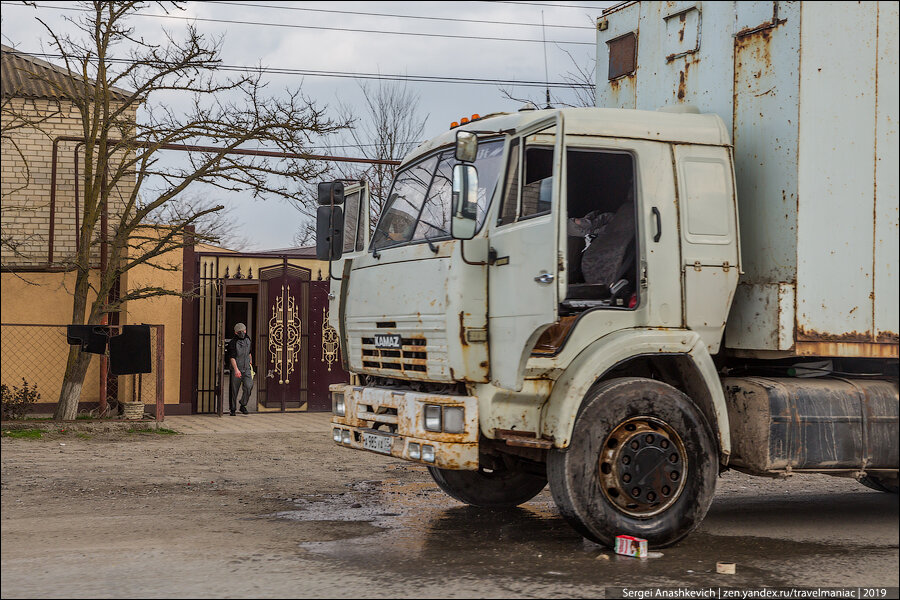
<point>122,154</point>
<point>579,89</point>
<point>389,127</point>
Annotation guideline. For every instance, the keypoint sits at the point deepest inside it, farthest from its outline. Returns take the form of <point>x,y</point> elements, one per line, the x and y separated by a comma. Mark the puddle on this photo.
<point>415,529</point>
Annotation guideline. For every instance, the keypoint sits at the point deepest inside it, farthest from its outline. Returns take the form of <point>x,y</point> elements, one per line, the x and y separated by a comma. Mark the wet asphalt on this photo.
<point>776,538</point>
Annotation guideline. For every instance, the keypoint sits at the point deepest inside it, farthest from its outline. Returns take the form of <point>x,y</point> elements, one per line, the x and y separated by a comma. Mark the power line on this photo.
<point>418,17</point>
<point>322,28</point>
<point>348,74</point>
<point>547,4</point>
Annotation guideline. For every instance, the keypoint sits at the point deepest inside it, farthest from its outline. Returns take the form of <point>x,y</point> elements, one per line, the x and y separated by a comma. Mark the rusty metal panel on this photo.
<point>685,56</point>
<point>813,112</point>
<point>616,83</point>
<point>770,325</point>
<point>887,177</point>
<point>814,424</point>
<point>622,55</point>
<point>835,173</point>
<point>766,112</point>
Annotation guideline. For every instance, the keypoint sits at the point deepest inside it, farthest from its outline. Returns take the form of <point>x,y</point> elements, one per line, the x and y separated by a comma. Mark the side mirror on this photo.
<point>329,232</point>
<point>464,219</point>
<point>466,146</point>
<point>331,192</point>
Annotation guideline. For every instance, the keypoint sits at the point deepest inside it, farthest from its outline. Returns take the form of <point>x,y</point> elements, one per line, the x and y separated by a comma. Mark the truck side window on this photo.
<point>601,230</point>
<point>405,203</point>
<point>510,201</point>
<point>352,222</point>
<point>435,216</point>
<point>537,189</point>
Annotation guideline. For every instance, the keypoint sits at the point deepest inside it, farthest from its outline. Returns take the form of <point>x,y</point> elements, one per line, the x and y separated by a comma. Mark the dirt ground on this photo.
<point>291,515</point>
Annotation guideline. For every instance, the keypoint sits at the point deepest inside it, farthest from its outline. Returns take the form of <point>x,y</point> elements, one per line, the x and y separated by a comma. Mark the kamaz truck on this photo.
<point>698,274</point>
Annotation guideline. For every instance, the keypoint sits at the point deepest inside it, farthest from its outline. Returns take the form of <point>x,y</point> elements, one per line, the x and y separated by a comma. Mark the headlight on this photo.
<point>336,434</point>
<point>454,419</point>
<point>338,406</point>
<point>415,451</point>
<point>428,453</point>
<point>432,417</point>
<point>345,436</point>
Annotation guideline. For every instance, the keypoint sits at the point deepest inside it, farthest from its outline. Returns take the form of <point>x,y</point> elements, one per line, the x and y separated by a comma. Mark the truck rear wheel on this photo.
<point>641,462</point>
<point>497,488</point>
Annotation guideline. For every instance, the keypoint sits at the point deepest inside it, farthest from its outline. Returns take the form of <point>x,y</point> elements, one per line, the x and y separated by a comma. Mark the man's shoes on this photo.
<point>231,413</point>
<point>244,410</point>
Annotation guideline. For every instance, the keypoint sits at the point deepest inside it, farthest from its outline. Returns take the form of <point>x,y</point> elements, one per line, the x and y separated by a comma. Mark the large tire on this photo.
<point>619,477</point>
<point>501,488</point>
<point>888,486</point>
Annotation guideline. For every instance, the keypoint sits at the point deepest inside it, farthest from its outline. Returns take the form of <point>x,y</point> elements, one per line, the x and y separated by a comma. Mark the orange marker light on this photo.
<point>454,124</point>
<point>476,116</point>
<point>464,120</point>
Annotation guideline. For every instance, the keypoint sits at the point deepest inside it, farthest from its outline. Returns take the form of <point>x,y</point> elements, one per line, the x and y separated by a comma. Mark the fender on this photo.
<point>559,412</point>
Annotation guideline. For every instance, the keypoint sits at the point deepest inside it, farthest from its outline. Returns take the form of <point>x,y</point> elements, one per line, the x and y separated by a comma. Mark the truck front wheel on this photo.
<point>881,484</point>
<point>641,462</point>
<point>496,488</point>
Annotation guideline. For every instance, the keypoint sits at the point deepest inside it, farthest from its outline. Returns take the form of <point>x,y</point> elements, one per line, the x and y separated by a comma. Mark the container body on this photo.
<point>809,93</point>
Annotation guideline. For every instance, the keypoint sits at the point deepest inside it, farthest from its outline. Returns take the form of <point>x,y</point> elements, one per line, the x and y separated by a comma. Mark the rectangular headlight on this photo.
<point>336,434</point>
<point>454,419</point>
<point>345,436</point>
<point>337,403</point>
<point>432,417</point>
<point>415,451</point>
<point>428,453</point>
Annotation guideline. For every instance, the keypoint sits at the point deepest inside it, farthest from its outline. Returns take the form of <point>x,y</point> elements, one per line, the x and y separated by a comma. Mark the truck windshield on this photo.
<point>418,207</point>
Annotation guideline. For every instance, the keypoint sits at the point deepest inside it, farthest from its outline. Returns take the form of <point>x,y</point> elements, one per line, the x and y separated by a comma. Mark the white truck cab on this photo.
<point>545,298</point>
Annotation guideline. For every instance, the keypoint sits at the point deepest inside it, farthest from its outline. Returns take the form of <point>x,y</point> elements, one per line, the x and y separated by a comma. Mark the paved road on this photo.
<point>256,511</point>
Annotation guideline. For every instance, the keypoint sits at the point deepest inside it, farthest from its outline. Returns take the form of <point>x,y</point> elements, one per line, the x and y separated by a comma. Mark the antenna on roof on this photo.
<point>546,70</point>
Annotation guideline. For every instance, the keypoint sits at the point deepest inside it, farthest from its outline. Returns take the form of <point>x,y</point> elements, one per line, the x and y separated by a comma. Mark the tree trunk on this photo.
<point>73,381</point>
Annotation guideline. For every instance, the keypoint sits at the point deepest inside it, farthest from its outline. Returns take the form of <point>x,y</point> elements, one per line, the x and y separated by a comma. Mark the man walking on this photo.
<point>240,356</point>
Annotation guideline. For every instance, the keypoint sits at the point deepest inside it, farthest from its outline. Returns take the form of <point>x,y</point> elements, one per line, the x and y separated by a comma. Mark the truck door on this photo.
<point>709,238</point>
<point>356,240</point>
<point>523,281</point>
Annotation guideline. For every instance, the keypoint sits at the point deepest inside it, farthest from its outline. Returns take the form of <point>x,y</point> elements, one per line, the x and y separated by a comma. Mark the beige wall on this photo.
<point>39,354</point>
<point>162,310</point>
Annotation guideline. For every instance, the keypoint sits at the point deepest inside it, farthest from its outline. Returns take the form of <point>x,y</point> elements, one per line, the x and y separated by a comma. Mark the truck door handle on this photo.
<point>544,278</point>
<point>658,224</point>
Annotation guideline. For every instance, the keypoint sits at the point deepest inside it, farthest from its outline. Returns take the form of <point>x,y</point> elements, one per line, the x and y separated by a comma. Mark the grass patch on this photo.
<point>23,434</point>
<point>84,436</point>
<point>84,417</point>
<point>159,431</point>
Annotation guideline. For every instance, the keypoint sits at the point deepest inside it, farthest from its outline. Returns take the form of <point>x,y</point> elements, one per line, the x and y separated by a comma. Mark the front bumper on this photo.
<point>400,415</point>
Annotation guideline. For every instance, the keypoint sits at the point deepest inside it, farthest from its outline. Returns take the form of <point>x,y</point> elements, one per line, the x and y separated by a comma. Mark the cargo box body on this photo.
<point>810,94</point>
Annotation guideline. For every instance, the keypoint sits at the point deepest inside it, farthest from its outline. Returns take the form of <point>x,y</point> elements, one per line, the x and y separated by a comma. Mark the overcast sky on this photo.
<point>278,35</point>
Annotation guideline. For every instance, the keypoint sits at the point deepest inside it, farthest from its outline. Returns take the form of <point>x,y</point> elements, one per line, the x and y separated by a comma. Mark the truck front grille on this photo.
<point>411,357</point>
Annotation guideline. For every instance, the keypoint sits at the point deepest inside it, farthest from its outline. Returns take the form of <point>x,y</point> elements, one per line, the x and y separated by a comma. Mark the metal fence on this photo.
<point>37,354</point>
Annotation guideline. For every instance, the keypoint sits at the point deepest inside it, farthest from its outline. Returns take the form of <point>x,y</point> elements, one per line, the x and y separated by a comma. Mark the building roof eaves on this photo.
<point>25,76</point>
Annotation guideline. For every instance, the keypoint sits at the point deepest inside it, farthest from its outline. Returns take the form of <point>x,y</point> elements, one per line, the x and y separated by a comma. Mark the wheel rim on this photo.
<point>642,466</point>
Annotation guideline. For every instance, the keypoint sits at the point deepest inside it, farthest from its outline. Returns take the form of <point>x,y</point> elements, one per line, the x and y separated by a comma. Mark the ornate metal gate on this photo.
<point>296,353</point>
<point>283,380</point>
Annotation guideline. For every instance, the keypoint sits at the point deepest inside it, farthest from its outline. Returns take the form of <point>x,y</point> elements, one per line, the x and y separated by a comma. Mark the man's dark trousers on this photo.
<point>237,383</point>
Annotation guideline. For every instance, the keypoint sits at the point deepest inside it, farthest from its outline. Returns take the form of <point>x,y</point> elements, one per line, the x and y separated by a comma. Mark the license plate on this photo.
<point>377,443</point>
<point>388,341</point>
